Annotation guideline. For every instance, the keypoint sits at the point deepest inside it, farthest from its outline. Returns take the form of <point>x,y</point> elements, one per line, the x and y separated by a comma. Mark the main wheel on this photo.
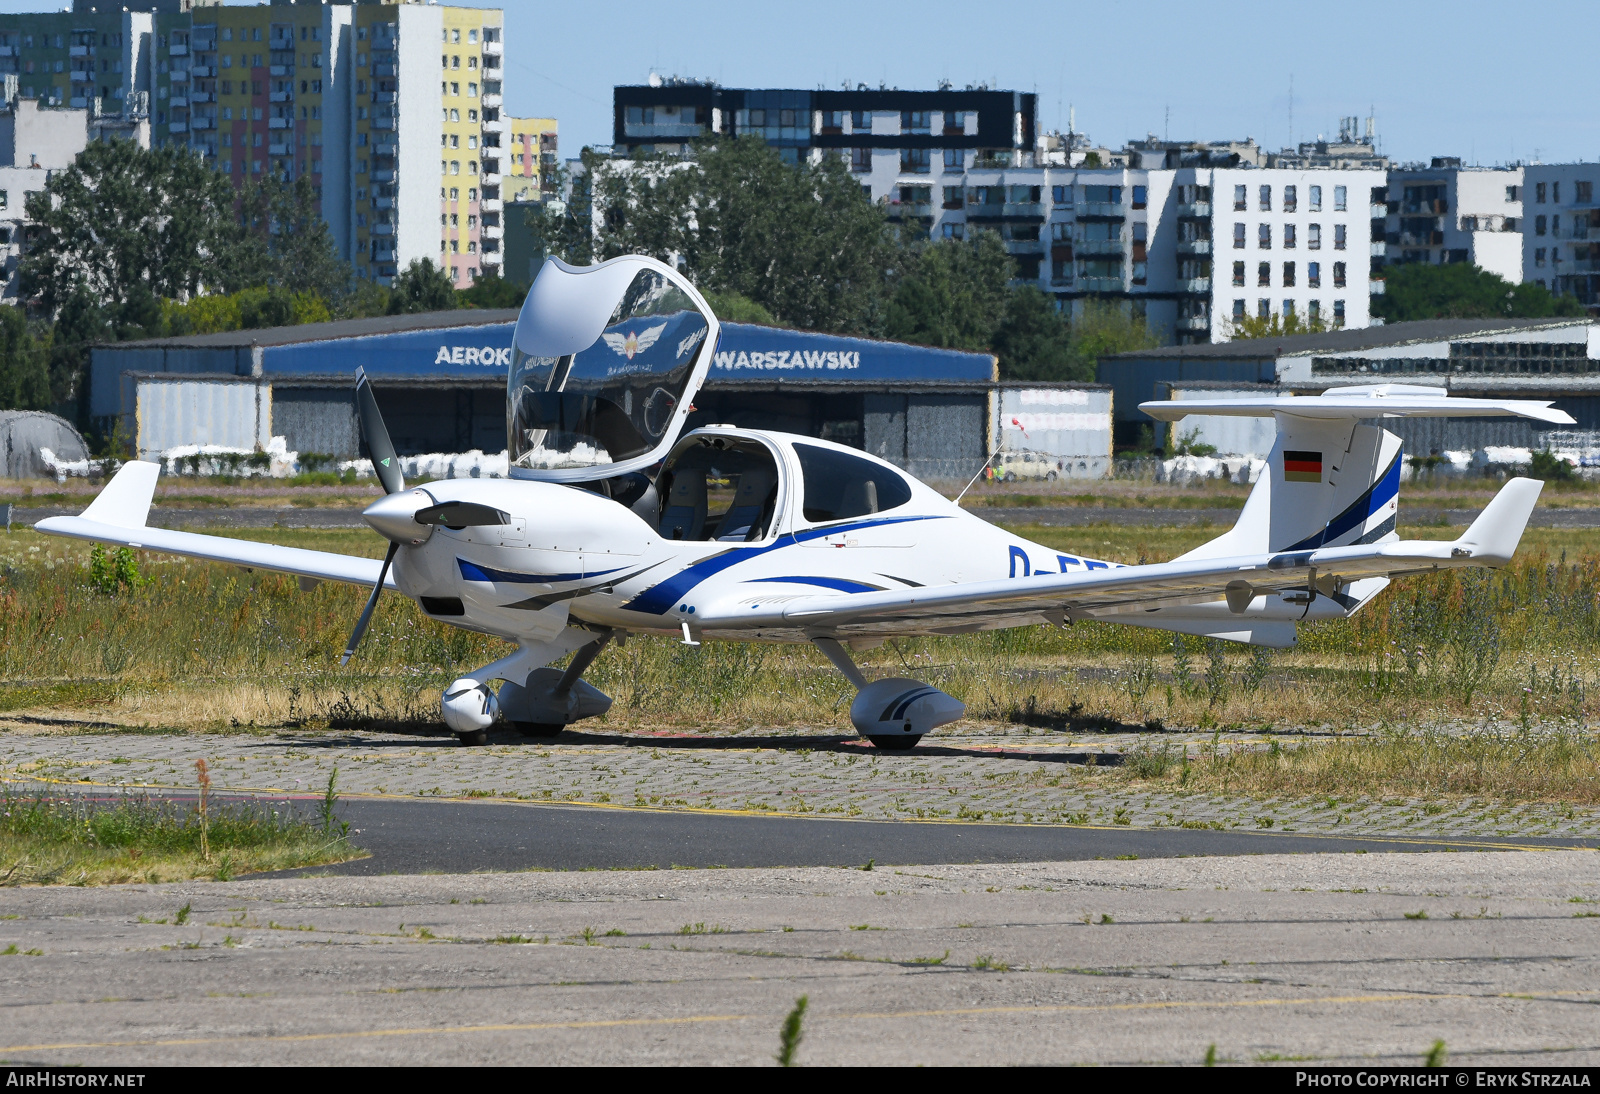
<point>898,742</point>
<point>475,737</point>
<point>539,729</point>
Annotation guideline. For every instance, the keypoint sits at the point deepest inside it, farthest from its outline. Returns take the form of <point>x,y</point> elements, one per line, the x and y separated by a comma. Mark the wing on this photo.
<point>1219,596</point>
<point>118,516</point>
<point>647,338</point>
<point>618,342</point>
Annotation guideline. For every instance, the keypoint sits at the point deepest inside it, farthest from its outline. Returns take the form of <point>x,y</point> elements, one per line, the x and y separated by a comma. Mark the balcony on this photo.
<point>383,70</point>
<point>203,97</point>
<point>1195,286</point>
<point>177,76</point>
<point>1436,207</point>
<point>1100,284</point>
<point>281,97</point>
<point>8,51</point>
<point>1195,210</point>
<point>491,100</point>
<point>176,49</point>
<point>178,101</point>
<point>383,203</point>
<point>1194,246</point>
<point>382,123</point>
<point>280,70</point>
<point>203,45</point>
<point>202,72</point>
<point>1583,266</point>
<point>383,175</point>
<point>491,205</point>
<point>491,258</point>
<point>1194,322</point>
<point>492,231</point>
<point>385,148</point>
<point>1379,248</point>
<point>1420,239</point>
<point>78,51</point>
<point>910,210</point>
<point>79,76</point>
<point>1101,209</point>
<point>1098,246</point>
<point>1375,287</point>
<point>279,123</point>
<point>490,178</point>
<point>202,123</point>
<point>275,149</point>
<point>383,96</point>
<point>383,255</point>
<point>383,229</point>
<point>177,127</point>
<point>77,102</point>
<point>1024,246</point>
<point>281,44</point>
<point>494,49</point>
<point>494,126</point>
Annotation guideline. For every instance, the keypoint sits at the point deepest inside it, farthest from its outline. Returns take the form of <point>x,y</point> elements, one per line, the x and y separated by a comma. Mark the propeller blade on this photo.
<point>379,448</point>
<point>462,514</point>
<point>366,613</point>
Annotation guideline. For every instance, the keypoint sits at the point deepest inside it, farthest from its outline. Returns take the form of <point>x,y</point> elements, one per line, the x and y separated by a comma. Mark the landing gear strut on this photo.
<point>548,701</point>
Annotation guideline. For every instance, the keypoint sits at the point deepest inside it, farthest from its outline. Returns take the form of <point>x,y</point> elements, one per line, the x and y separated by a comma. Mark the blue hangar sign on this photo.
<point>745,353</point>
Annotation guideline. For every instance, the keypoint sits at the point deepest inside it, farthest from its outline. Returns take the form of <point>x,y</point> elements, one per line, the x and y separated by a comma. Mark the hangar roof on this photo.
<point>1353,341</point>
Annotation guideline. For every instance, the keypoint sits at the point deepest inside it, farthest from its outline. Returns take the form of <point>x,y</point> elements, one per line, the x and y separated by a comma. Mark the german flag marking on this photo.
<point>1302,466</point>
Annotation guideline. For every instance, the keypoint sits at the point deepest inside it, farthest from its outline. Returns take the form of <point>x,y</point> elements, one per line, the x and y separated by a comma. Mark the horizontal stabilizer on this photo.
<point>125,501</point>
<point>1366,401</point>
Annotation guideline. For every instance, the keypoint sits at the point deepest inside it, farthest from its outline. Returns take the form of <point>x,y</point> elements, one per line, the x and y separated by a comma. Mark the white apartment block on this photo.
<point>1192,249</point>
<point>1561,219</point>
<point>1449,213</point>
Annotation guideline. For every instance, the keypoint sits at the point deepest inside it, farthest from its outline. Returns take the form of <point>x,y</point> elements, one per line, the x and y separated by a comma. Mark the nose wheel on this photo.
<point>474,737</point>
<point>899,742</point>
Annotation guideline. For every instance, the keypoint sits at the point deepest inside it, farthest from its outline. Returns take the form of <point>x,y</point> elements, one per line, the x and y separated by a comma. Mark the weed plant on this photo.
<point>51,839</point>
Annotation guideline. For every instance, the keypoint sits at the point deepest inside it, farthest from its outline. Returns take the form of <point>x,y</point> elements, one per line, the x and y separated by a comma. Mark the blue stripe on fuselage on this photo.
<point>662,597</point>
<point>471,571</point>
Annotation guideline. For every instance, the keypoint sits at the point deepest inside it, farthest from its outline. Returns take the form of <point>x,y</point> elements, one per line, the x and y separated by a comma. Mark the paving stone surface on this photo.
<point>997,776</point>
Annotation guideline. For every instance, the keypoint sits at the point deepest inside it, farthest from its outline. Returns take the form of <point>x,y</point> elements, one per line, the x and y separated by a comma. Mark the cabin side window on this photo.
<point>718,489</point>
<point>839,486</point>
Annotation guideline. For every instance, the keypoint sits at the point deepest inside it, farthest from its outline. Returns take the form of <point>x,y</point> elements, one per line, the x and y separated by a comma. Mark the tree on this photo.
<point>1416,290</point>
<point>1274,326</point>
<point>492,291</point>
<point>1034,341</point>
<point>123,219</point>
<point>953,293</point>
<point>803,241</point>
<point>730,307</point>
<point>1105,328</point>
<point>286,242</point>
<point>421,286</point>
<point>24,364</point>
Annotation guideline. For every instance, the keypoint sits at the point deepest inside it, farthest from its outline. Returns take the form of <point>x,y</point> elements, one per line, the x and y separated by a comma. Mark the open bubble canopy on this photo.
<point>605,362</point>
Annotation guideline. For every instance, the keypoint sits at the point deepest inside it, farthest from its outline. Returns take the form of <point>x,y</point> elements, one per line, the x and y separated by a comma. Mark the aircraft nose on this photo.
<point>393,516</point>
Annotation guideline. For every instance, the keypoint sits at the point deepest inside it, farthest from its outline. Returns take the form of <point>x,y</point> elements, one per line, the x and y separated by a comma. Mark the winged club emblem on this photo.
<point>634,341</point>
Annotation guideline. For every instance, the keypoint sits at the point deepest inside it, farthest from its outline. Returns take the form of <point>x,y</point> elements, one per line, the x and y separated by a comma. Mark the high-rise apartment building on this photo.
<point>339,93</point>
<point>1561,229</point>
<point>1449,213</point>
<point>530,160</point>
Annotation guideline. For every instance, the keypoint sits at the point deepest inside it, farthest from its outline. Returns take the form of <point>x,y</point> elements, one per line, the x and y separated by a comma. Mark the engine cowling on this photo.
<point>899,705</point>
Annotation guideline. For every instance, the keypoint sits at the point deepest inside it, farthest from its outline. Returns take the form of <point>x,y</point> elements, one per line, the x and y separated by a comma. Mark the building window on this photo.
<point>1238,311</point>
<point>1555,226</point>
<point>860,121</point>
<point>954,159</point>
<point>914,161</point>
<point>950,230</point>
<point>1263,308</point>
<point>1538,254</point>
<point>1288,308</point>
<point>1288,237</point>
<point>1539,221</point>
<point>1291,199</point>
<point>915,121</point>
<point>1338,313</point>
<point>1139,273</point>
<point>1585,194</point>
<point>1141,196</point>
<point>1313,237</point>
<point>1288,279</point>
<point>1264,237</point>
<point>1238,237</point>
<point>1338,237</point>
<point>1555,193</point>
<point>1314,311</point>
<point>861,160</point>
<point>1339,193</point>
<point>1061,195</point>
<point>1264,275</point>
<point>1315,202</point>
<point>1266,199</point>
<point>1238,273</point>
<point>1313,275</point>
<point>1338,275</point>
<point>1239,198</point>
<point>1513,193</point>
<point>1538,192</point>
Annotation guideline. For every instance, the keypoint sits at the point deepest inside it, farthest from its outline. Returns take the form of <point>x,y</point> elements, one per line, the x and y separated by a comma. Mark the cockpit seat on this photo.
<point>859,497</point>
<point>685,514</point>
<point>747,518</point>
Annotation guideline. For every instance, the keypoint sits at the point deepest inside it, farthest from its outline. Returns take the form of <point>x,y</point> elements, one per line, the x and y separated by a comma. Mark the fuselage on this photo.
<point>571,553</point>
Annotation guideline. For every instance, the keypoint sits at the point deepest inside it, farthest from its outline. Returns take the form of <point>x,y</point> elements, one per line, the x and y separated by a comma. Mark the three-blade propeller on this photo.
<point>375,436</point>
<point>390,514</point>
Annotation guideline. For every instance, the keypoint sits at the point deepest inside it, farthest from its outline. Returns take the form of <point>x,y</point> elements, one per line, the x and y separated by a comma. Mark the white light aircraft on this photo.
<point>613,523</point>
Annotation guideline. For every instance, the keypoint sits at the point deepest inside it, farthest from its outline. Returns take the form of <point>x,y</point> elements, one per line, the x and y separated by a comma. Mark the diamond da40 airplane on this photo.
<point>615,523</point>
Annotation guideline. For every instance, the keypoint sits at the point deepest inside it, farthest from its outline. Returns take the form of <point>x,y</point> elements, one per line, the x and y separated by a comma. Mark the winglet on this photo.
<point>1494,536</point>
<point>125,501</point>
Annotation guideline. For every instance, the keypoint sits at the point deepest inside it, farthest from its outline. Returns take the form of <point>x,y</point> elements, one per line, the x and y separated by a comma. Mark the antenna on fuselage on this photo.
<point>981,470</point>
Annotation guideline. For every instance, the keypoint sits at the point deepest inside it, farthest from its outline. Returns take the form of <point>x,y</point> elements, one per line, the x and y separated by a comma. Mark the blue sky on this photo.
<point>1490,82</point>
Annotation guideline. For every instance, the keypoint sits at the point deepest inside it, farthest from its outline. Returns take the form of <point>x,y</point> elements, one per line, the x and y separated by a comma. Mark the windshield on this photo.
<point>615,399</point>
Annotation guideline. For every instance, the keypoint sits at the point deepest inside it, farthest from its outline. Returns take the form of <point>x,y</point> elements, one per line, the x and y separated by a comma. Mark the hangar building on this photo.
<point>440,379</point>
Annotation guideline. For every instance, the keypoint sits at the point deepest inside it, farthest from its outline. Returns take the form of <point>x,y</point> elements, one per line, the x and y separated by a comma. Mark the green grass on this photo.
<point>46,839</point>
